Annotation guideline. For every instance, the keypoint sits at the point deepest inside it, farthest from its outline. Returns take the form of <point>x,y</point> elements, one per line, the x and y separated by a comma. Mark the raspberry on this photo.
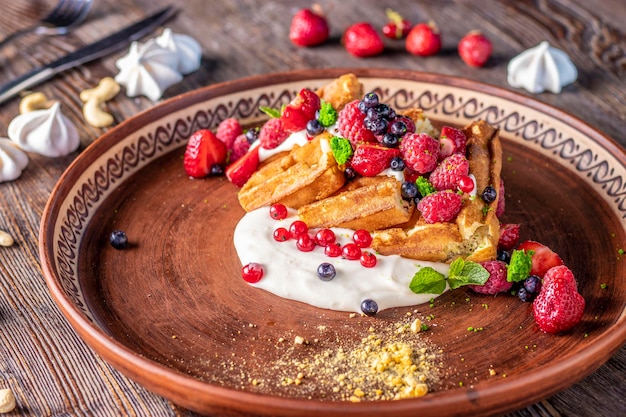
<point>559,306</point>
<point>350,124</point>
<point>272,134</point>
<point>509,236</point>
<point>420,152</point>
<point>497,279</point>
<point>447,174</point>
<point>228,130</point>
<point>408,122</point>
<point>441,206</point>
<point>240,147</point>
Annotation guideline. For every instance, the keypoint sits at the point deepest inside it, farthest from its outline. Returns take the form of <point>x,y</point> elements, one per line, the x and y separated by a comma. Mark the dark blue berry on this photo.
<point>370,100</point>
<point>326,271</point>
<point>397,164</point>
<point>503,256</point>
<point>385,111</point>
<point>216,170</point>
<point>252,135</point>
<point>369,307</point>
<point>489,194</point>
<point>314,127</point>
<point>532,284</point>
<point>362,107</point>
<point>377,126</point>
<point>349,173</point>
<point>409,190</point>
<point>390,140</point>
<point>524,295</point>
<point>118,239</point>
<point>398,127</point>
<point>373,114</point>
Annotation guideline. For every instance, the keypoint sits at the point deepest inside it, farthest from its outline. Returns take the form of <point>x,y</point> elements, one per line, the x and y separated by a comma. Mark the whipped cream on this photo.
<point>292,274</point>
<point>47,132</point>
<point>12,160</point>
<point>187,49</point>
<point>541,68</point>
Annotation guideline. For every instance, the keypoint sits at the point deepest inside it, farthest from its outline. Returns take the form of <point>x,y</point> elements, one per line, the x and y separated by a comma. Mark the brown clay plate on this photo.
<point>173,314</point>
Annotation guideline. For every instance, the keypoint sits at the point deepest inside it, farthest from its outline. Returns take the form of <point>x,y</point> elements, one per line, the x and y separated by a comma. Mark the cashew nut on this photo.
<point>6,239</point>
<point>95,98</point>
<point>7,400</point>
<point>34,101</point>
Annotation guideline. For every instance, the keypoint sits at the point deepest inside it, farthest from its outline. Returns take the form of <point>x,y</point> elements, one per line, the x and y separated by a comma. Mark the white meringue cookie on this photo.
<point>541,68</point>
<point>148,69</point>
<point>13,160</point>
<point>187,48</point>
<point>47,132</point>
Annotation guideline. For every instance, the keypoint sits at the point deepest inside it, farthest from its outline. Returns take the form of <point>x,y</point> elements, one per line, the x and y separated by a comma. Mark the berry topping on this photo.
<point>326,271</point>
<point>351,251</point>
<point>351,124</point>
<point>524,295</point>
<point>543,258</point>
<point>390,140</point>
<point>216,170</point>
<point>420,152</point>
<point>240,147</point>
<point>298,228</point>
<point>559,306</point>
<point>509,236</point>
<point>369,307</point>
<point>475,49</point>
<point>396,27</point>
<point>272,133</point>
<point>447,174</point>
<point>466,184</point>
<point>203,151</point>
<point>441,206</point>
<point>302,108</point>
<point>362,40</point>
<point>532,284</point>
<point>370,159</point>
<point>314,127</point>
<point>362,238</point>
<point>281,234</point>
<point>278,211</point>
<point>252,135</point>
<point>118,239</point>
<point>423,40</point>
<point>239,172</point>
<point>368,259</point>
<point>305,242</point>
<point>228,130</point>
<point>489,194</point>
<point>370,101</point>
<point>325,237</point>
<point>253,272</point>
<point>451,140</point>
<point>397,164</point>
<point>409,191</point>
<point>503,256</point>
<point>496,282</point>
<point>333,250</point>
<point>308,28</point>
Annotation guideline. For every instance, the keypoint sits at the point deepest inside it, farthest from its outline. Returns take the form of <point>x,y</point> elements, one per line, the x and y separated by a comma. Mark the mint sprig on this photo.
<point>271,112</point>
<point>429,281</point>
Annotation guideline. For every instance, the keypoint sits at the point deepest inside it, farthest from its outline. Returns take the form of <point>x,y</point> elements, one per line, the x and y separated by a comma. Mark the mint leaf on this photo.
<point>428,281</point>
<point>466,273</point>
<point>424,187</point>
<point>519,266</point>
<point>328,115</point>
<point>342,149</point>
<point>273,113</point>
<point>456,267</point>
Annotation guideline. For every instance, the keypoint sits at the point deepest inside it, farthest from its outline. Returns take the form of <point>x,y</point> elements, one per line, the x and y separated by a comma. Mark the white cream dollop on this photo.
<point>46,132</point>
<point>12,160</point>
<point>541,68</point>
<point>187,49</point>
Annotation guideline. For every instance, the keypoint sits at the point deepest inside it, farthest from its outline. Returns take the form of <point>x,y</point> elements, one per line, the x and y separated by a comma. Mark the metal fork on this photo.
<point>65,16</point>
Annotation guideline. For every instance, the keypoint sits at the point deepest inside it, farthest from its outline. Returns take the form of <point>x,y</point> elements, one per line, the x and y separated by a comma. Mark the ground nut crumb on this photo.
<point>7,400</point>
<point>298,340</point>
<point>6,239</point>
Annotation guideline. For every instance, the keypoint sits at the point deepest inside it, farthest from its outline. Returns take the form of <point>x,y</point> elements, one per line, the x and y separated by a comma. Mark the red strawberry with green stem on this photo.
<point>309,27</point>
<point>475,49</point>
<point>423,40</point>
<point>370,159</point>
<point>362,40</point>
<point>559,306</point>
<point>203,151</point>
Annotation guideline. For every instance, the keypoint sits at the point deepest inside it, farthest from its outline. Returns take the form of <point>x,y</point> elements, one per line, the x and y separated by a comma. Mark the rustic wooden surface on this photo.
<point>51,371</point>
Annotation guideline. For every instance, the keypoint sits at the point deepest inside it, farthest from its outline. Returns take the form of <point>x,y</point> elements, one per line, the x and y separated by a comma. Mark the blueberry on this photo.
<point>532,284</point>
<point>252,135</point>
<point>390,140</point>
<point>326,271</point>
<point>503,256</point>
<point>489,194</point>
<point>362,107</point>
<point>397,164</point>
<point>370,100</point>
<point>314,127</point>
<point>349,173</point>
<point>373,114</point>
<point>369,307</point>
<point>385,111</point>
<point>216,170</point>
<point>118,239</point>
<point>377,127</point>
<point>524,295</point>
<point>409,190</point>
<point>398,127</point>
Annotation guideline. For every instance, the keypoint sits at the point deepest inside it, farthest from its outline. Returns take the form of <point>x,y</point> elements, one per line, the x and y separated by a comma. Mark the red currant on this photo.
<point>466,184</point>
<point>368,259</point>
<point>351,251</point>
<point>362,238</point>
<point>305,243</point>
<point>333,250</point>
<point>298,228</point>
<point>278,211</point>
<point>325,237</point>
<point>281,234</point>
<point>253,272</point>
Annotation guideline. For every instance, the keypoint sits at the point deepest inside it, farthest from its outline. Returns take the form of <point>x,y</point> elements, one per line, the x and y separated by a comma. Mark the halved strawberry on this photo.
<point>451,141</point>
<point>240,171</point>
<point>301,109</point>
<point>370,159</point>
<point>543,257</point>
<point>203,151</point>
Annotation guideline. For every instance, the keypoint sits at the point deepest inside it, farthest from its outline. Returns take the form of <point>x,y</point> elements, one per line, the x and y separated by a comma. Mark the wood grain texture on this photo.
<point>51,371</point>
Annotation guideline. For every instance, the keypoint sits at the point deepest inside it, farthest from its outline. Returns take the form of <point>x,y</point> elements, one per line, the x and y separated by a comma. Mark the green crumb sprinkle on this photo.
<point>586,335</point>
<point>328,115</point>
<point>620,251</point>
<point>460,383</point>
<point>603,286</point>
<point>425,327</point>
<point>470,329</point>
<point>475,329</point>
<point>519,266</point>
<point>424,187</point>
<point>486,209</point>
<point>341,148</point>
<point>509,158</point>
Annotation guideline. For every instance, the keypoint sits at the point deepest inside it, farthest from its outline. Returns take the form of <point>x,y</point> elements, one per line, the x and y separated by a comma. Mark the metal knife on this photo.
<point>88,53</point>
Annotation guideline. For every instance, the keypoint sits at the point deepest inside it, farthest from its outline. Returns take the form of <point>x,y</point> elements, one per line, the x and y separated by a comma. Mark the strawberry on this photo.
<point>423,40</point>
<point>308,28</point>
<point>501,201</point>
<point>559,306</point>
<point>420,152</point>
<point>440,206</point>
<point>203,151</point>
<point>350,123</point>
<point>447,174</point>
<point>228,130</point>
<point>543,257</point>
<point>396,26</point>
<point>475,49</point>
<point>240,148</point>
<point>509,236</point>
<point>272,133</point>
<point>362,40</point>
<point>497,281</point>
<point>451,140</point>
<point>240,171</point>
<point>370,159</point>
<point>301,109</point>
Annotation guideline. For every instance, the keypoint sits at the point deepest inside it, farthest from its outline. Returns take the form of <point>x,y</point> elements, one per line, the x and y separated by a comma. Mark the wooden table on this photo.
<point>51,371</point>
